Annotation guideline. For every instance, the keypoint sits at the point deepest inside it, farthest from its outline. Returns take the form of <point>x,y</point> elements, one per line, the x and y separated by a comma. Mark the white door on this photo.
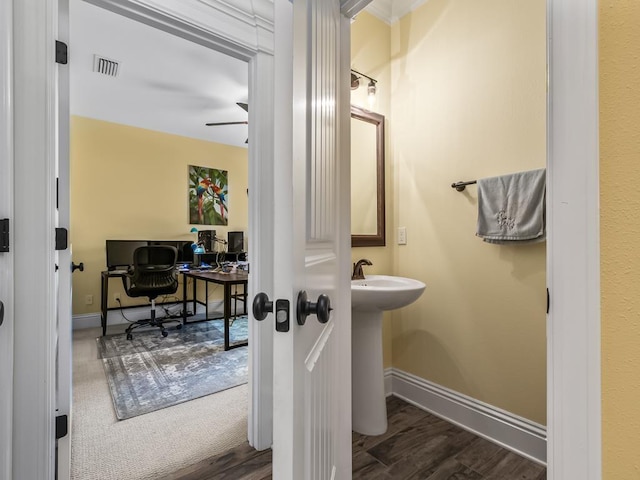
<point>6,258</point>
<point>312,362</point>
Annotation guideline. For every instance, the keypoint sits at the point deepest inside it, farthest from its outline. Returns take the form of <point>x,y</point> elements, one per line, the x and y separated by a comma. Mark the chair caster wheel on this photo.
<point>129,336</point>
<point>164,333</point>
<point>179,326</point>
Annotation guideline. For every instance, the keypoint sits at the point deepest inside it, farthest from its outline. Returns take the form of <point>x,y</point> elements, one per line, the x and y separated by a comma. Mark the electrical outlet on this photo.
<point>402,235</point>
<point>88,299</point>
<point>116,297</point>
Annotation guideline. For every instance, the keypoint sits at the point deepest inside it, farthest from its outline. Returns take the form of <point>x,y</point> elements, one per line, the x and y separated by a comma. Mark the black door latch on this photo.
<point>4,235</point>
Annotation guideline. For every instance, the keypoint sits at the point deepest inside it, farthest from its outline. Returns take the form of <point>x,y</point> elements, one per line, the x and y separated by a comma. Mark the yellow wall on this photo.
<point>370,54</point>
<point>619,40</point>
<point>131,183</point>
<point>468,101</point>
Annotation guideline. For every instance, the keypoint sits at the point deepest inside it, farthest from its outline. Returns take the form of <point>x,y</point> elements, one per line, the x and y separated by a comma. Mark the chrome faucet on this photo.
<point>358,274</point>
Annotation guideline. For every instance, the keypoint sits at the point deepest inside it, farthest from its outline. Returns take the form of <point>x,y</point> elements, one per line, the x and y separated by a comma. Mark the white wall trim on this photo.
<point>240,31</point>
<point>6,259</point>
<point>510,431</point>
<point>35,150</point>
<point>388,381</point>
<point>573,250</point>
<point>92,320</point>
<point>115,317</point>
<point>350,8</point>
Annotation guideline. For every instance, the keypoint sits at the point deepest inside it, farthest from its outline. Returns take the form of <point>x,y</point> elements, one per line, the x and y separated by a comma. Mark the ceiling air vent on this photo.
<point>105,66</point>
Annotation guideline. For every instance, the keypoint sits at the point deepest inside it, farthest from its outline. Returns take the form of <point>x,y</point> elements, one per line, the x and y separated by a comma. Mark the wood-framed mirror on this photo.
<point>367,178</point>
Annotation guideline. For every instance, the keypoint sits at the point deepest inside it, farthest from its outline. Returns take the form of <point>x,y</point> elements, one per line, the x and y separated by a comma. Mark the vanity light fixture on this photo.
<point>355,82</point>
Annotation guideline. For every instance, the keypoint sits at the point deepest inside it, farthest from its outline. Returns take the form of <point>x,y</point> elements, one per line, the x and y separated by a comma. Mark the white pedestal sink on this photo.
<point>369,298</point>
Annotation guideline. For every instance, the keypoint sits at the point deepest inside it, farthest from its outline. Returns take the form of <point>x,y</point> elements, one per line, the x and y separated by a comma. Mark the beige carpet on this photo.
<point>149,446</point>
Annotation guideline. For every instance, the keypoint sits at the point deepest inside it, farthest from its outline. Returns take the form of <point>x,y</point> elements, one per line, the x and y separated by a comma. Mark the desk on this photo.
<point>224,279</point>
<point>104,288</point>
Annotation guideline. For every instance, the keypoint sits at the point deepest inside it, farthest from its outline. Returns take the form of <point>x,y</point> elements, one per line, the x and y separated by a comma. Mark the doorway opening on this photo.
<point>138,130</point>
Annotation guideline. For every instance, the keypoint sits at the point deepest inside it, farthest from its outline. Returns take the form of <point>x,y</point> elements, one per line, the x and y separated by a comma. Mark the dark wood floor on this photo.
<point>417,445</point>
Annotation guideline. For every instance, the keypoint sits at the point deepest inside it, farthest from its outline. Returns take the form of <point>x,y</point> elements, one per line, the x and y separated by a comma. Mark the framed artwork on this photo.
<point>208,196</point>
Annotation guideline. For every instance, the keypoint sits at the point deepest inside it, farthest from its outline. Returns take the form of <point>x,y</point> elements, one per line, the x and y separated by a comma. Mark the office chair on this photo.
<point>154,273</point>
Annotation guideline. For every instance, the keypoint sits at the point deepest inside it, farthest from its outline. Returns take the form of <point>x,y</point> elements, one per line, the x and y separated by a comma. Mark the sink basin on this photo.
<point>384,292</point>
<point>369,298</point>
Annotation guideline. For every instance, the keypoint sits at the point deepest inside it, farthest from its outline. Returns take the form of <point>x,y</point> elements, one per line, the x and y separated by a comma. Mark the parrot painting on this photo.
<point>203,186</point>
<point>218,191</point>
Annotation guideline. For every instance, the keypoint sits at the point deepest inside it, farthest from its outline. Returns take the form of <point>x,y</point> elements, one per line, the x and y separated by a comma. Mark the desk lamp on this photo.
<point>197,247</point>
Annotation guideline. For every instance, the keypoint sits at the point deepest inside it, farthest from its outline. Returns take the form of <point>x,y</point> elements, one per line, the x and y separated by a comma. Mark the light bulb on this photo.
<point>371,94</point>
<point>371,89</point>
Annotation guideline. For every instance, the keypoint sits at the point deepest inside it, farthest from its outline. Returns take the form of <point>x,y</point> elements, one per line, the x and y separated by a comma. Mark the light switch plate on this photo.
<point>402,235</point>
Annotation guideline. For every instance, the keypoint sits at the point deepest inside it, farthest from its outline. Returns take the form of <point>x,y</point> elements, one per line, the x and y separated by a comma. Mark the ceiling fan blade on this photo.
<point>244,106</point>
<point>226,123</point>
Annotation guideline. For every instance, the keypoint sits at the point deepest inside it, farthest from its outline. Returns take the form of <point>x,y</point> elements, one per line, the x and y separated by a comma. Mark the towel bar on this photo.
<point>459,186</point>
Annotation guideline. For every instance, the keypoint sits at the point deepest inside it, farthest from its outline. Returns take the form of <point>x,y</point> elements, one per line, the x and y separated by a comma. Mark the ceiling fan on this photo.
<point>243,106</point>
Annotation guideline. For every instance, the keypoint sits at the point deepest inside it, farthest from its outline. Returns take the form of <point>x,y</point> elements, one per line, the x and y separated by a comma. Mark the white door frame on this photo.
<point>244,32</point>
<point>574,416</point>
<point>35,150</point>
<point>6,259</point>
<point>574,443</point>
<point>64,340</point>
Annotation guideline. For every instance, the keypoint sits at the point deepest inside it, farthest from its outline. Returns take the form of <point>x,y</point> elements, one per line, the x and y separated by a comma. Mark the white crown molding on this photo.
<point>510,431</point>
<point>237,28</point>
<point>390,11</point>
<point>350,8</point>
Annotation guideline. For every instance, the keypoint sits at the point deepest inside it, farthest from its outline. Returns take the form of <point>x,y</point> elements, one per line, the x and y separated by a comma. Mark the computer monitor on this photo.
<point>185,252</point>
<point>120,252</point>
<point>235,241</point>
<point>208,240</point>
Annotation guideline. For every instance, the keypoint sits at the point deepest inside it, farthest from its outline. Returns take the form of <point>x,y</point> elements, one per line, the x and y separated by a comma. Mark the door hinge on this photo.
<point>548,301</point>
<point>4,235</point>
<point>61,239</point>
<point>62,426</point>
<point>61,52</point>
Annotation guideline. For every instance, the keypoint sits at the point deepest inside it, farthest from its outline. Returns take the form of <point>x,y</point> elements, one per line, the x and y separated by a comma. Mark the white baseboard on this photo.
<point>510,431</point>
<point>388,381</point>
<point>116,317</point>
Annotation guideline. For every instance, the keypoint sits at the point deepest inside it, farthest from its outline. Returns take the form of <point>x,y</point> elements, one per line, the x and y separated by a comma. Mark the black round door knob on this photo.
<point>321,309</point>
<point>261,306</point>
<point>75,267</point>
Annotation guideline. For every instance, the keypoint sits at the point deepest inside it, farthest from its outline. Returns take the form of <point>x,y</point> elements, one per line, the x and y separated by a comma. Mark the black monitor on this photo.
<point>120,252</point>
<point>185,252</point>
<point>235,241</point>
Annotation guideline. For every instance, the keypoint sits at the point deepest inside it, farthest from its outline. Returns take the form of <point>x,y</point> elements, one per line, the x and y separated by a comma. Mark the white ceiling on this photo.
<point>165,83</point>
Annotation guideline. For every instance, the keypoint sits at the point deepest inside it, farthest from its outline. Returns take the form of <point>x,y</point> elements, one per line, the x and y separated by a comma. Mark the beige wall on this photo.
<point>370,54</point>
<point>620,263</point>
<point>467,101</point>
<point>131,183</point>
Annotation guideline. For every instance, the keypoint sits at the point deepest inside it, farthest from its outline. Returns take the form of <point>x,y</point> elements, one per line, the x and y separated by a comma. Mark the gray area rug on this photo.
<point>152,372</point>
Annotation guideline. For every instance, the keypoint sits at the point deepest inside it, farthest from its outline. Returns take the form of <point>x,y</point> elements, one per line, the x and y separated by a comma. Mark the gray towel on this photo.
<point>511,208</point>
